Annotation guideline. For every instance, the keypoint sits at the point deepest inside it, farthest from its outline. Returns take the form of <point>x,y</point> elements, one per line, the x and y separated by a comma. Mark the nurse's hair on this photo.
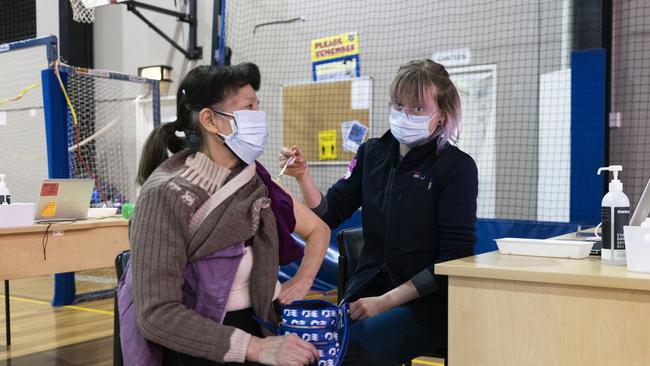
<point>418,79</point>
<point>202,87</point>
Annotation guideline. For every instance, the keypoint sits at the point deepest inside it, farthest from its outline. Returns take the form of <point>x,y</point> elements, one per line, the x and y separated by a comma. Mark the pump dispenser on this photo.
<point>5,196</point>
<point>615,213</point>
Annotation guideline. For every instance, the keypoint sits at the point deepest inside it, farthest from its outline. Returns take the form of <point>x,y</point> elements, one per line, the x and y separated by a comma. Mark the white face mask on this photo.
<point>249,132</point>
<point>408,130</point>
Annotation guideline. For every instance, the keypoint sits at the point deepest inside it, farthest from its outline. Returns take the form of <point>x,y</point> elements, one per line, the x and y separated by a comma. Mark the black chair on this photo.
<point>121,261</point>
<point>350,243</point>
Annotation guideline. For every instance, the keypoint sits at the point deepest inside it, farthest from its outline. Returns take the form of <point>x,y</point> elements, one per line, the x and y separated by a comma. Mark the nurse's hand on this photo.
<point>286,350</point>
<point>367,307</point>
<point>370,306</point>
<point>294,289</point>
<point>297,166</point>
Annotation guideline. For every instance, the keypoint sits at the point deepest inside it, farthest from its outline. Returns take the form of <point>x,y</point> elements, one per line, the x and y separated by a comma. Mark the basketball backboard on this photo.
<point>97,3</point>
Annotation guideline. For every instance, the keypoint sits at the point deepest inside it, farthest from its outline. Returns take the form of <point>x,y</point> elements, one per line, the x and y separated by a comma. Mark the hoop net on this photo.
<point>83,11</point>
<point>103,144</point>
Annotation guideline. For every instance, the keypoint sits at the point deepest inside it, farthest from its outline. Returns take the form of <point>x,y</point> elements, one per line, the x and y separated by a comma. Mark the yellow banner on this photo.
<point>342,45</point>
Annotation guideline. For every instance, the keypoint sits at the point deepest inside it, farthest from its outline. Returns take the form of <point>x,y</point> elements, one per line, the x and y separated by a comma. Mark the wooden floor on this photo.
<point>71,335</point>
<point>96,352</point>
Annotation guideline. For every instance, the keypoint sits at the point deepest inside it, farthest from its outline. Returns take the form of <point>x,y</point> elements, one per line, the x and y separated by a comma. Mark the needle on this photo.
<point>289,161</point>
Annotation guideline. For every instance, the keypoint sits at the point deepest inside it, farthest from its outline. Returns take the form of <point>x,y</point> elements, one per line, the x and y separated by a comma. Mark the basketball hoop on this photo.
<point>82,12</point>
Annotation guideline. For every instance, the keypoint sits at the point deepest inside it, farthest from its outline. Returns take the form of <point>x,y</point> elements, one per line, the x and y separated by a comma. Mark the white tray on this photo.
<point>94,212</point>
<point>545,247</point>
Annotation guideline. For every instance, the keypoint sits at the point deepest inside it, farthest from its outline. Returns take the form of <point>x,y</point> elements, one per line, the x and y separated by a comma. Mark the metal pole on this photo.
<point>7,314</point>
<point>192,46</point>
<point>181,16</point>
<point>216,19</point>
<point>160,33</point>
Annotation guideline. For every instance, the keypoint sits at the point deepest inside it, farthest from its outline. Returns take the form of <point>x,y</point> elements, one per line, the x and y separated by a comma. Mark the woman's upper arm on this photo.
<point>306,220</point>
<point>157,254</point>
<point>344,197</point>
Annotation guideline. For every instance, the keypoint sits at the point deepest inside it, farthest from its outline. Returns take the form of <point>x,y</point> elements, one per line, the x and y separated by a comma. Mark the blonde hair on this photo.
<point>419,79</point>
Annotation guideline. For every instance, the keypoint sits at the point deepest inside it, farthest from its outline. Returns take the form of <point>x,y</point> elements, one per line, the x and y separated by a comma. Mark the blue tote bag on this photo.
<point>320,323</point>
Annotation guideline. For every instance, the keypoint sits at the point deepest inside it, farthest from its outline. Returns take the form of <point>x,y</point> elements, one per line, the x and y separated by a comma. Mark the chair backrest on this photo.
<point>121,261</point>
<point>350,242</point>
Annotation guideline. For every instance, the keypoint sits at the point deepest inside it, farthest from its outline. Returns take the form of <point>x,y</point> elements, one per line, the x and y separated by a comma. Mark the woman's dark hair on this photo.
<point>202,87</point>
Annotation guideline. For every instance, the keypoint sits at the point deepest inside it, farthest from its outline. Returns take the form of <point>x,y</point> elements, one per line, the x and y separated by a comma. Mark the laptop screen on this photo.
<point>642,207</point>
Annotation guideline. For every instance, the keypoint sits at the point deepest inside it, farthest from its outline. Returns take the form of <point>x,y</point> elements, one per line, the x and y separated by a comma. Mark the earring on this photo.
<point>440,122</point>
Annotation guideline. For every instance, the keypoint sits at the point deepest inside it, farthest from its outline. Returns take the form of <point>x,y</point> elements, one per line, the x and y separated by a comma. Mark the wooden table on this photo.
<point>43,249</point>
<point>518,310</point>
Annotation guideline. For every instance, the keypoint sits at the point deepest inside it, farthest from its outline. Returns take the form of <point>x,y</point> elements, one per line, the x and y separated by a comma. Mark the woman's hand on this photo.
<point>370,306</point>
<point>294,289</point>
<point>286,350</point>
<point>296,168</point>
<point>367,307</point>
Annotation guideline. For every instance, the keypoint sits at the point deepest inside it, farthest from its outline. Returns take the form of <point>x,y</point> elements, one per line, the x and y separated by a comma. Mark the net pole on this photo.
<point>57,161</point>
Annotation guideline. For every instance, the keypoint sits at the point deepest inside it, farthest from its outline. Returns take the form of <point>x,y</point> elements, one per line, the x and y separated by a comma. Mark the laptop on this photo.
<point>642,207</point>
<point>64,199</point>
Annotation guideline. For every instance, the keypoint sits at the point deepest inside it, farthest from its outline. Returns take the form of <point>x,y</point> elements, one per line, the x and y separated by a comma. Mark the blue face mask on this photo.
<point>410,129</point>
<point>249,133</point>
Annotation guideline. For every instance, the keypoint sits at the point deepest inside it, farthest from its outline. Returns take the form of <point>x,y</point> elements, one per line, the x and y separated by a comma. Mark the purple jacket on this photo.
<point>207,281</point>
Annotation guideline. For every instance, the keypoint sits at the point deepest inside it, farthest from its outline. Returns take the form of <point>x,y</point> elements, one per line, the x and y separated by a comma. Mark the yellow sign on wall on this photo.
<point>327,145</point>
<point>342,45</point>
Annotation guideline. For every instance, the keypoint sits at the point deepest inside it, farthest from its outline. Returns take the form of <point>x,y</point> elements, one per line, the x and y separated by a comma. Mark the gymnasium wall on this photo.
<point>528,41</point>
<point>523,38</point>
<point>47,18</point>
<point>123,42</point>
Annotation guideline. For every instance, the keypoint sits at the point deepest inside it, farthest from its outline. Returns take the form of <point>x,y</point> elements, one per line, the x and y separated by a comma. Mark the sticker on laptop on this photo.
<point>49,189</point>
<point>49,210</point>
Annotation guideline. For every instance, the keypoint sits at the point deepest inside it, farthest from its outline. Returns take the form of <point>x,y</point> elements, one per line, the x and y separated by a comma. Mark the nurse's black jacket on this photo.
<point>416,211</point>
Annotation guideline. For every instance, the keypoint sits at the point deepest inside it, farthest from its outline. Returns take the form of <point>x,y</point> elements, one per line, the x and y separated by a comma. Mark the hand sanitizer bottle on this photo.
<point>615,213</point>
<point>5,195</point>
